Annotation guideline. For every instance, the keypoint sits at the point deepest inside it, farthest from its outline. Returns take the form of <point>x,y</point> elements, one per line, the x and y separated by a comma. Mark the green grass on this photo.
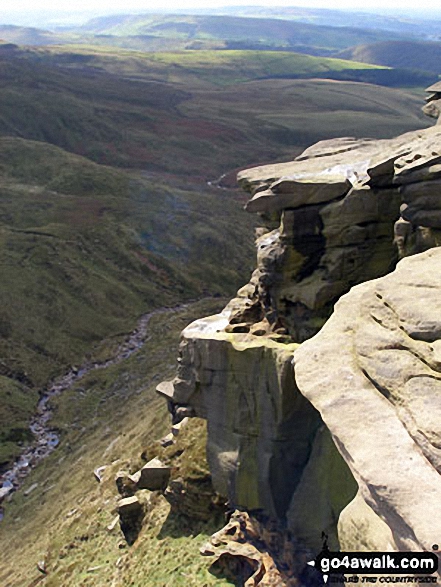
<point>172,112</point>
<point>18,405</point>
<point>226,29</point>
<point>218,68</point>
<point>420,55</point>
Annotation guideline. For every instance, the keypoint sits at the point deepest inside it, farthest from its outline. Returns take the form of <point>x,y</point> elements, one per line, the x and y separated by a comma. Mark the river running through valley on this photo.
<point>46,438</point>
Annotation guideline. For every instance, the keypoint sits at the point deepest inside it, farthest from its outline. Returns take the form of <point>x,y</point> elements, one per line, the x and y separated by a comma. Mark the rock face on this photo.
<point>154,476</point>
<point>336,206</point>
<point>240,383</point>
<point>377,361</point>
<point>331,434</point>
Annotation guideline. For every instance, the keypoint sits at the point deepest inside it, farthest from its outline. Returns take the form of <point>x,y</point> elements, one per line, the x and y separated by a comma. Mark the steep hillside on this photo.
<point>86,249</point>
<point>63,520</point>
<point>425,56</point>
<point>177,112</point>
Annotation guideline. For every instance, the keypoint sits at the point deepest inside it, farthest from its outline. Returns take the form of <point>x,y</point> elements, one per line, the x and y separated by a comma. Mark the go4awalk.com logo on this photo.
<point>333,565</point>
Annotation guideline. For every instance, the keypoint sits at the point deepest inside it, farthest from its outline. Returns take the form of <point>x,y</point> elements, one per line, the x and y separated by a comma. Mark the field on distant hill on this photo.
<point>400,21</point>
<point>133,109</point>
<point>224,31</point>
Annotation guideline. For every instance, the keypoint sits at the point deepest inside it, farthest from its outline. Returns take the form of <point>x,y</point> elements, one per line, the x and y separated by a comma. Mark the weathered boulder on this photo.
<point>153,476</point>
<point>125,483</point>
<point>374,374</point>
<point>260,552</point>
<point>129,507</point>
<point>131,514</point>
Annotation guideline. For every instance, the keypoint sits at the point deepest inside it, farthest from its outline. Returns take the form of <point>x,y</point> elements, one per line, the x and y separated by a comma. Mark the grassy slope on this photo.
<point>406,54</point>
<point>272,32</point>
<point>86,249</point>
<point>400,22</point>
<point>173,32</point>
<point>108,416</point>
<point>27,35</point>
<point>140,119</point>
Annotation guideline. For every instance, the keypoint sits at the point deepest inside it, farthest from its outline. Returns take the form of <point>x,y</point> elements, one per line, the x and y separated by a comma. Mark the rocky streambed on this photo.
<point>46,438</point>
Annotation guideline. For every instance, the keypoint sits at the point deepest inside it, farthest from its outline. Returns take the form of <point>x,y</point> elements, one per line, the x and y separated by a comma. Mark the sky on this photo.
<point>107,6</point>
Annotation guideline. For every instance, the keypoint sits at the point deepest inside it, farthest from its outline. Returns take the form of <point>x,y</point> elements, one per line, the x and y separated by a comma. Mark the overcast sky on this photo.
<point>143,5</point>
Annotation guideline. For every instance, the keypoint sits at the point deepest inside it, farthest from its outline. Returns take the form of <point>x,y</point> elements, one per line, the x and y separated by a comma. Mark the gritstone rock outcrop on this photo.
<point>339,434</point>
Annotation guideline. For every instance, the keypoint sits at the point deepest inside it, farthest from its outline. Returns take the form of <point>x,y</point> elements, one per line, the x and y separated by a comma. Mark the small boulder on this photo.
<point>183,412</point>
<point>131,514</point>
<point>98,473</point>
<point>176,428</point>
<point>6,490</point>
<point>125,483</point>
<point>154,476</point>
<point>129,507</point>
<point>167,440</point>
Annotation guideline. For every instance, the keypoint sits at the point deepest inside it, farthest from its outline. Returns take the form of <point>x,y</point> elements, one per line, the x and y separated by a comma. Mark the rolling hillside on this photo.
<point>153,32</point>
<point>425,56</point>
<point>28,35</point>
<point>403,22</point>
<point>227,32</point>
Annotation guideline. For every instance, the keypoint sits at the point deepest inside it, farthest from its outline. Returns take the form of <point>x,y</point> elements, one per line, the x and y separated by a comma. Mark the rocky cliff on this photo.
<point>323,414</point>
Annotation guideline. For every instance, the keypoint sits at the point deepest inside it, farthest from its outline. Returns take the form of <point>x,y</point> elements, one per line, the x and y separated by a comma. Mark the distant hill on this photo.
<point>28,35</point>
<point>266,32</point>
<point>409,54</point>
<point>404,23</point>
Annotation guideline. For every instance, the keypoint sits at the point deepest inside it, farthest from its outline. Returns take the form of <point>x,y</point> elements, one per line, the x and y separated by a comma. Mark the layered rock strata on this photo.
<point>282,440</point>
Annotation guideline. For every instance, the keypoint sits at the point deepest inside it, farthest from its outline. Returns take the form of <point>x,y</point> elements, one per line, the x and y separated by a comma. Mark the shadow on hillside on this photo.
<point>178,525</point>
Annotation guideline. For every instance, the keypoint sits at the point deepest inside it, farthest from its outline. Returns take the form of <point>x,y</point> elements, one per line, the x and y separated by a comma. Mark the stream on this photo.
<point>46,438</point>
